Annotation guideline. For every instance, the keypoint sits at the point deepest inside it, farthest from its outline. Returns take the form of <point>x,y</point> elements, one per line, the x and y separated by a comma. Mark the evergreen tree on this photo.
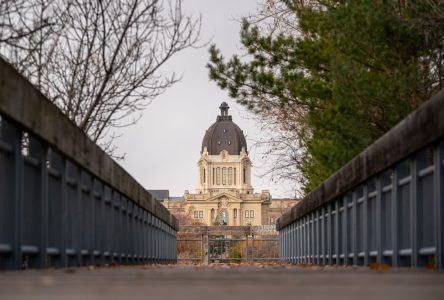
<point>347,73</point>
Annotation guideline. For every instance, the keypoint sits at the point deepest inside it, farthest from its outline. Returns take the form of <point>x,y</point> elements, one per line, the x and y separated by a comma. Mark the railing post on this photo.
<point>346,238</point>
<point>304,238</point>
<point>18,199</point>
<point>202,251</point>
<point>323,236</point>
<point>329,237</point>
<point>208,249</point>
<point>44,207</point>
<point>394,217</point>
<point>354,227</point>
<point>312,236</point>
<point>336,231</point>
<point>413,212</point>
<point>246,248</point>
<point>365,225</point>
<point>438,204</point>
<point>298,240</point>
<point>252,248</point>
<point>318,240</point>
<point>378,220</point>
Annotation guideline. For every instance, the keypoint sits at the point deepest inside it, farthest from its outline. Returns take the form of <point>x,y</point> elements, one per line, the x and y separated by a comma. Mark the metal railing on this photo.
<point>385,206</point>
<point>63,201</point>
<point>210,244</point>
<point>228,249</point>
<point>191,249</point>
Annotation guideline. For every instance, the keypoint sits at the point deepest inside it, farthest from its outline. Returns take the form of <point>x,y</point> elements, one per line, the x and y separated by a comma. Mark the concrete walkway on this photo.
<point>270,282</point>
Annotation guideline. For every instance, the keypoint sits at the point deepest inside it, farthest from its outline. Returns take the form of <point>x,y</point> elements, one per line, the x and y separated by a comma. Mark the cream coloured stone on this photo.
<point>224,194</point>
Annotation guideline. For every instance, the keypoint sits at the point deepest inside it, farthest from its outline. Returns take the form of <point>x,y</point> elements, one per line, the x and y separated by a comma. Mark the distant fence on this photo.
<point>227,244</point>
<point>385,206</point>
<point>63,201</point>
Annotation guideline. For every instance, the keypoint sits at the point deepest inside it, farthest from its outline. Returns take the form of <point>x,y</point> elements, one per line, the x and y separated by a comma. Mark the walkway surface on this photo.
<point>271,282</point>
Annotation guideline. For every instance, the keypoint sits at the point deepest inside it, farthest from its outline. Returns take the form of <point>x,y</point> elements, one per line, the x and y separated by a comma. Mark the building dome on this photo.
<point>224,135</point>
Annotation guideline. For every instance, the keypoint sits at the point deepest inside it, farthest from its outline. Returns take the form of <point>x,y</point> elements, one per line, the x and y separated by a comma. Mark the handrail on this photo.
<point>25,104</point>
<point>421,128</point>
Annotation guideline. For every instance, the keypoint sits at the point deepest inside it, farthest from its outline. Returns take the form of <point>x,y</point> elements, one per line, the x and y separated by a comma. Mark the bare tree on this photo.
<point>100,61</point>
<point>17,22</point>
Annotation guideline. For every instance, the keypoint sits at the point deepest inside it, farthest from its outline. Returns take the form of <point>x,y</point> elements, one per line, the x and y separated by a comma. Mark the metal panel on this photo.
<point>53,213</point>
<point>394,218</point>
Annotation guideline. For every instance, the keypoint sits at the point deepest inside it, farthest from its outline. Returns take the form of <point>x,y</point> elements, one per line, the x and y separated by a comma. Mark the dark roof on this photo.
<point>224,135</point>
<point>176,199</point>
<point>160,195</point>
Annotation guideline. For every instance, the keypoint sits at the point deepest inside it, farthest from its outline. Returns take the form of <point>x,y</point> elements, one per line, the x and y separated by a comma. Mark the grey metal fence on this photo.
<point>265,248</point>
<point>228,249</point>
<point>385,206</point>
<point>227,244</point>
<point>191,249</point>
<point>63,201</point>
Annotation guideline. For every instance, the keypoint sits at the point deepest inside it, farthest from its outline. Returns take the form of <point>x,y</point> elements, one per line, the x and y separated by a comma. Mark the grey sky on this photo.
<point>162,149</point>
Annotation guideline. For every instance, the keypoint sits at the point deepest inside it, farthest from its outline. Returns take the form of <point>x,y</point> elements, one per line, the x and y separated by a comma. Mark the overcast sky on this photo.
<point>162,149</point>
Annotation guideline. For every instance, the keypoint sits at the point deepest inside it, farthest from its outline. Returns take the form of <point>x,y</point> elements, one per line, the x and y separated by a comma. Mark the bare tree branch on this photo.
<point>99,61</point>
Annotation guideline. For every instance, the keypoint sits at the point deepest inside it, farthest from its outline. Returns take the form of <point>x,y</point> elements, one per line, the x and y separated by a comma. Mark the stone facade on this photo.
<point>224,194</point>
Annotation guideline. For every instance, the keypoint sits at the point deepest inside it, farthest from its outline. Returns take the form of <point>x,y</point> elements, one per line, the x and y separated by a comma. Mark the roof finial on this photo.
<point>224,109</point>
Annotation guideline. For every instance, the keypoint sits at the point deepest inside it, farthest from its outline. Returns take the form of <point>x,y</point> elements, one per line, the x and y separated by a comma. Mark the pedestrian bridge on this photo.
<point>65,203</point>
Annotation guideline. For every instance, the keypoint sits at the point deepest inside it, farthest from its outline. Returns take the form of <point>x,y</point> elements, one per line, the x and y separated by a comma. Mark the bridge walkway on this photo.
<point>222,281</point>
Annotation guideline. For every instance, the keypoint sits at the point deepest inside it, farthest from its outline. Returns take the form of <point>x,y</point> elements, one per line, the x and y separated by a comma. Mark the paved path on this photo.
<point>271,282</point>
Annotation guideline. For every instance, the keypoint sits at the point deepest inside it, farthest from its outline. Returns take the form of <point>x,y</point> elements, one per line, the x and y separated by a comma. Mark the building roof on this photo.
<point>160,195</point>
<point>176,199</point>
<point>224,135</point>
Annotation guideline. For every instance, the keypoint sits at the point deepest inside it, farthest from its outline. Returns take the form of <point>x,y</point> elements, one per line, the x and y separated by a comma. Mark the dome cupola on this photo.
<point>224,135</point>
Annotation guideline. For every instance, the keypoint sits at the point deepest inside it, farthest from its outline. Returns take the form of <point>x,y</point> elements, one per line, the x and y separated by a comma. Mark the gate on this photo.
<point>227,244</point>
<point>227,249</point>
<point>191,249</point>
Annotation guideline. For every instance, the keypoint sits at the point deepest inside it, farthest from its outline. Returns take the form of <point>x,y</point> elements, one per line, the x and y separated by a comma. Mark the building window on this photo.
<point>224,176</point>
<point>245,175</point>
<point>249,214</point>
<point>223,217</point>
<point>198,214</point>
<point>218,176</point>
<point>212,214</point>
<point>230,176</point>
<point>204,175</point>
<point>235,213</point>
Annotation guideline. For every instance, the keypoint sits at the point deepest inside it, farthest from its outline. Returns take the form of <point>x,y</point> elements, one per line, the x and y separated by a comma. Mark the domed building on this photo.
<point>224,194</point>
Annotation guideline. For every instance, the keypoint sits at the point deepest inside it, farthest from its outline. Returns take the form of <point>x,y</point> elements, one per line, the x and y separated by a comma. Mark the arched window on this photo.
<point>235,213</point>
<point>224,176</point>
<point>204,176</point>
<point>223,217</point>
<point>245,174</point>
<point>218,176</point>
<point>212,214</point>
<point>230,176</point>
